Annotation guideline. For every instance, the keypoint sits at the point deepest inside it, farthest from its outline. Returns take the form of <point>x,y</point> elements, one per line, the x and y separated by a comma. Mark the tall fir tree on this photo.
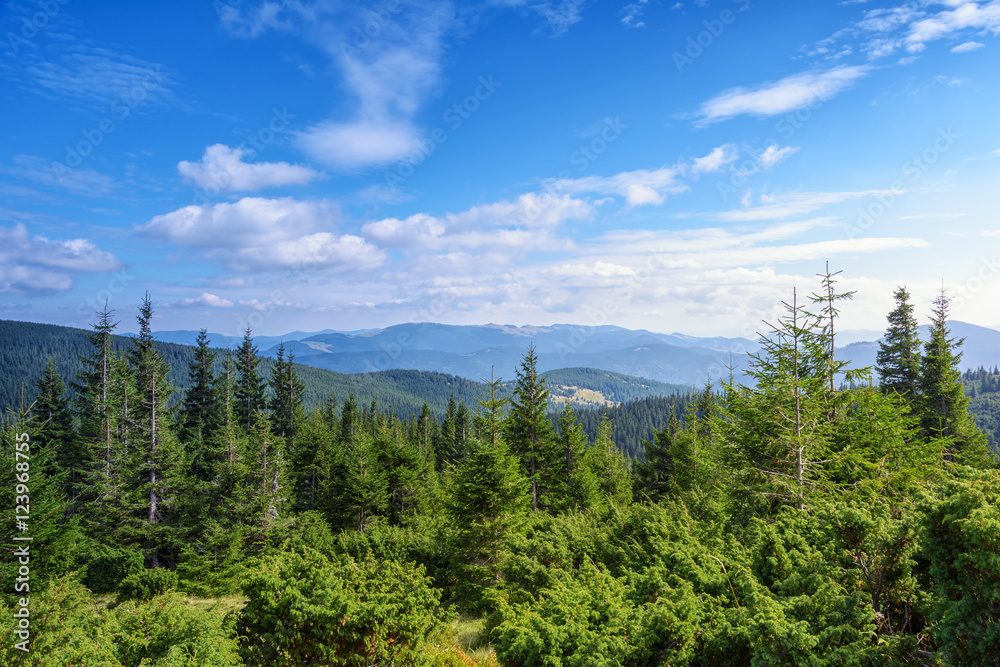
<point>529,431</point>
<point>654,474</point>
<point>944,407</point>
<point>250,388</point>
<point>898,361</point>
<point>102,388</point>
<point>777,427</point>
<point>574,484</point>
<point>52,420</point>
<point>286,395</point>
<point>154,454</point>
<point>609,466</point>
<point>202,411</point>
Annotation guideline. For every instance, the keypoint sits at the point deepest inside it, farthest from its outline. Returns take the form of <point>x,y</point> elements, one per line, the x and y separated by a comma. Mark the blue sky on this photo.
<point>674,166</point>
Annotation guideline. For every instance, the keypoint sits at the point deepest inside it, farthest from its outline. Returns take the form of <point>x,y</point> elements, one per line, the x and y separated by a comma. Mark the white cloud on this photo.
<point>257,233</point>
<point>207,299</point>
<point>773,155</point>
<point>250,221</point>
<point>964,16</point>
<point>223,169</point>
<point>38,264</point>
<point>360,143</point>
<point>643,186</point>
<point>720,157</point>
<point>965,47</point>
<point>788,94</point>
<point>525,223</point>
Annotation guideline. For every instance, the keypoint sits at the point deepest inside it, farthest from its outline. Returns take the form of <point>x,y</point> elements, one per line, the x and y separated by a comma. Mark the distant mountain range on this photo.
<point>473,352</point>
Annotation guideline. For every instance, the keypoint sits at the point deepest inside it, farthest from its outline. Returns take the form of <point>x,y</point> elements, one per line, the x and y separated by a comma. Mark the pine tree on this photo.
<point>573,484</point>
<point>606,462</point>
<point>655,473</point>
<point>898,362</point>
<point>529,431</point>
<point>286,395</point>
<point>487,501</point>
<point>202,411</point>
<point>103,389</point>
<point>249,394</point>
<point>52,421</point>
<point>311,460</point>
<point>154,454</point>
<point>943,403</point>
<point>33,506</point>
<point>777,428</point>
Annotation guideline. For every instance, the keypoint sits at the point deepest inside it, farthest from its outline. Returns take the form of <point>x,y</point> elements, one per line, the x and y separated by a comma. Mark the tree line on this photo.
<point>806,513</point>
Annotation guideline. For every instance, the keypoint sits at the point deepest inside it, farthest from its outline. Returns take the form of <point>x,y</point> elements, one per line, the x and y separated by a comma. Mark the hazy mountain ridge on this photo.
<point>474,351</point>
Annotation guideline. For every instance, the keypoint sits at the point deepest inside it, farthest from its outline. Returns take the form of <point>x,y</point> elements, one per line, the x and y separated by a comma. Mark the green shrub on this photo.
<point>169,632</point>
<point>147,584</point>
<point>107,571</point>
<point>303,609</point>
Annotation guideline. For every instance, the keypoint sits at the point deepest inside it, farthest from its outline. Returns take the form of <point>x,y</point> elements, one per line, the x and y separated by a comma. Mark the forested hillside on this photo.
<point>983,389</point>
<point>782,521</point>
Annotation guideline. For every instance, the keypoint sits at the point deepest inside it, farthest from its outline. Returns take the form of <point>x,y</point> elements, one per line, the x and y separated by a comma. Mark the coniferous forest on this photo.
<point>805,513</point>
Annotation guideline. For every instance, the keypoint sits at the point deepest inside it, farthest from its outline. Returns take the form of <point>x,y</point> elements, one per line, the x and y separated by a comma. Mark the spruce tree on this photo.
<point>529,431</point>
<point>286,395</point>
<point>249,393</point>
<point>898,361</point>
<point>608,465</point>
<point>574,485</point>
<point>943,403</point>
<point>154,455</point>
<point>777,427</point>
<point>654,474</point>
<point>202,411</point>
<point>53,422</point>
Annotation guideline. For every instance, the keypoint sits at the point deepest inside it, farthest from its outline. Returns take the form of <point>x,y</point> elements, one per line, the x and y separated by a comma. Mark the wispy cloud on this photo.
<point>559,16</point>
<point>719,158</point>
<point>788,94</point>
<point>639,187</point>
<point>965,47</point>
<point>389,74</point>
<point>81,181</point>
<point>98,77</point>
<point>774,154</point>
<point>964,16</point>
<point>633,14</point>
<point>223,169</point>
<point>784,206</point>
